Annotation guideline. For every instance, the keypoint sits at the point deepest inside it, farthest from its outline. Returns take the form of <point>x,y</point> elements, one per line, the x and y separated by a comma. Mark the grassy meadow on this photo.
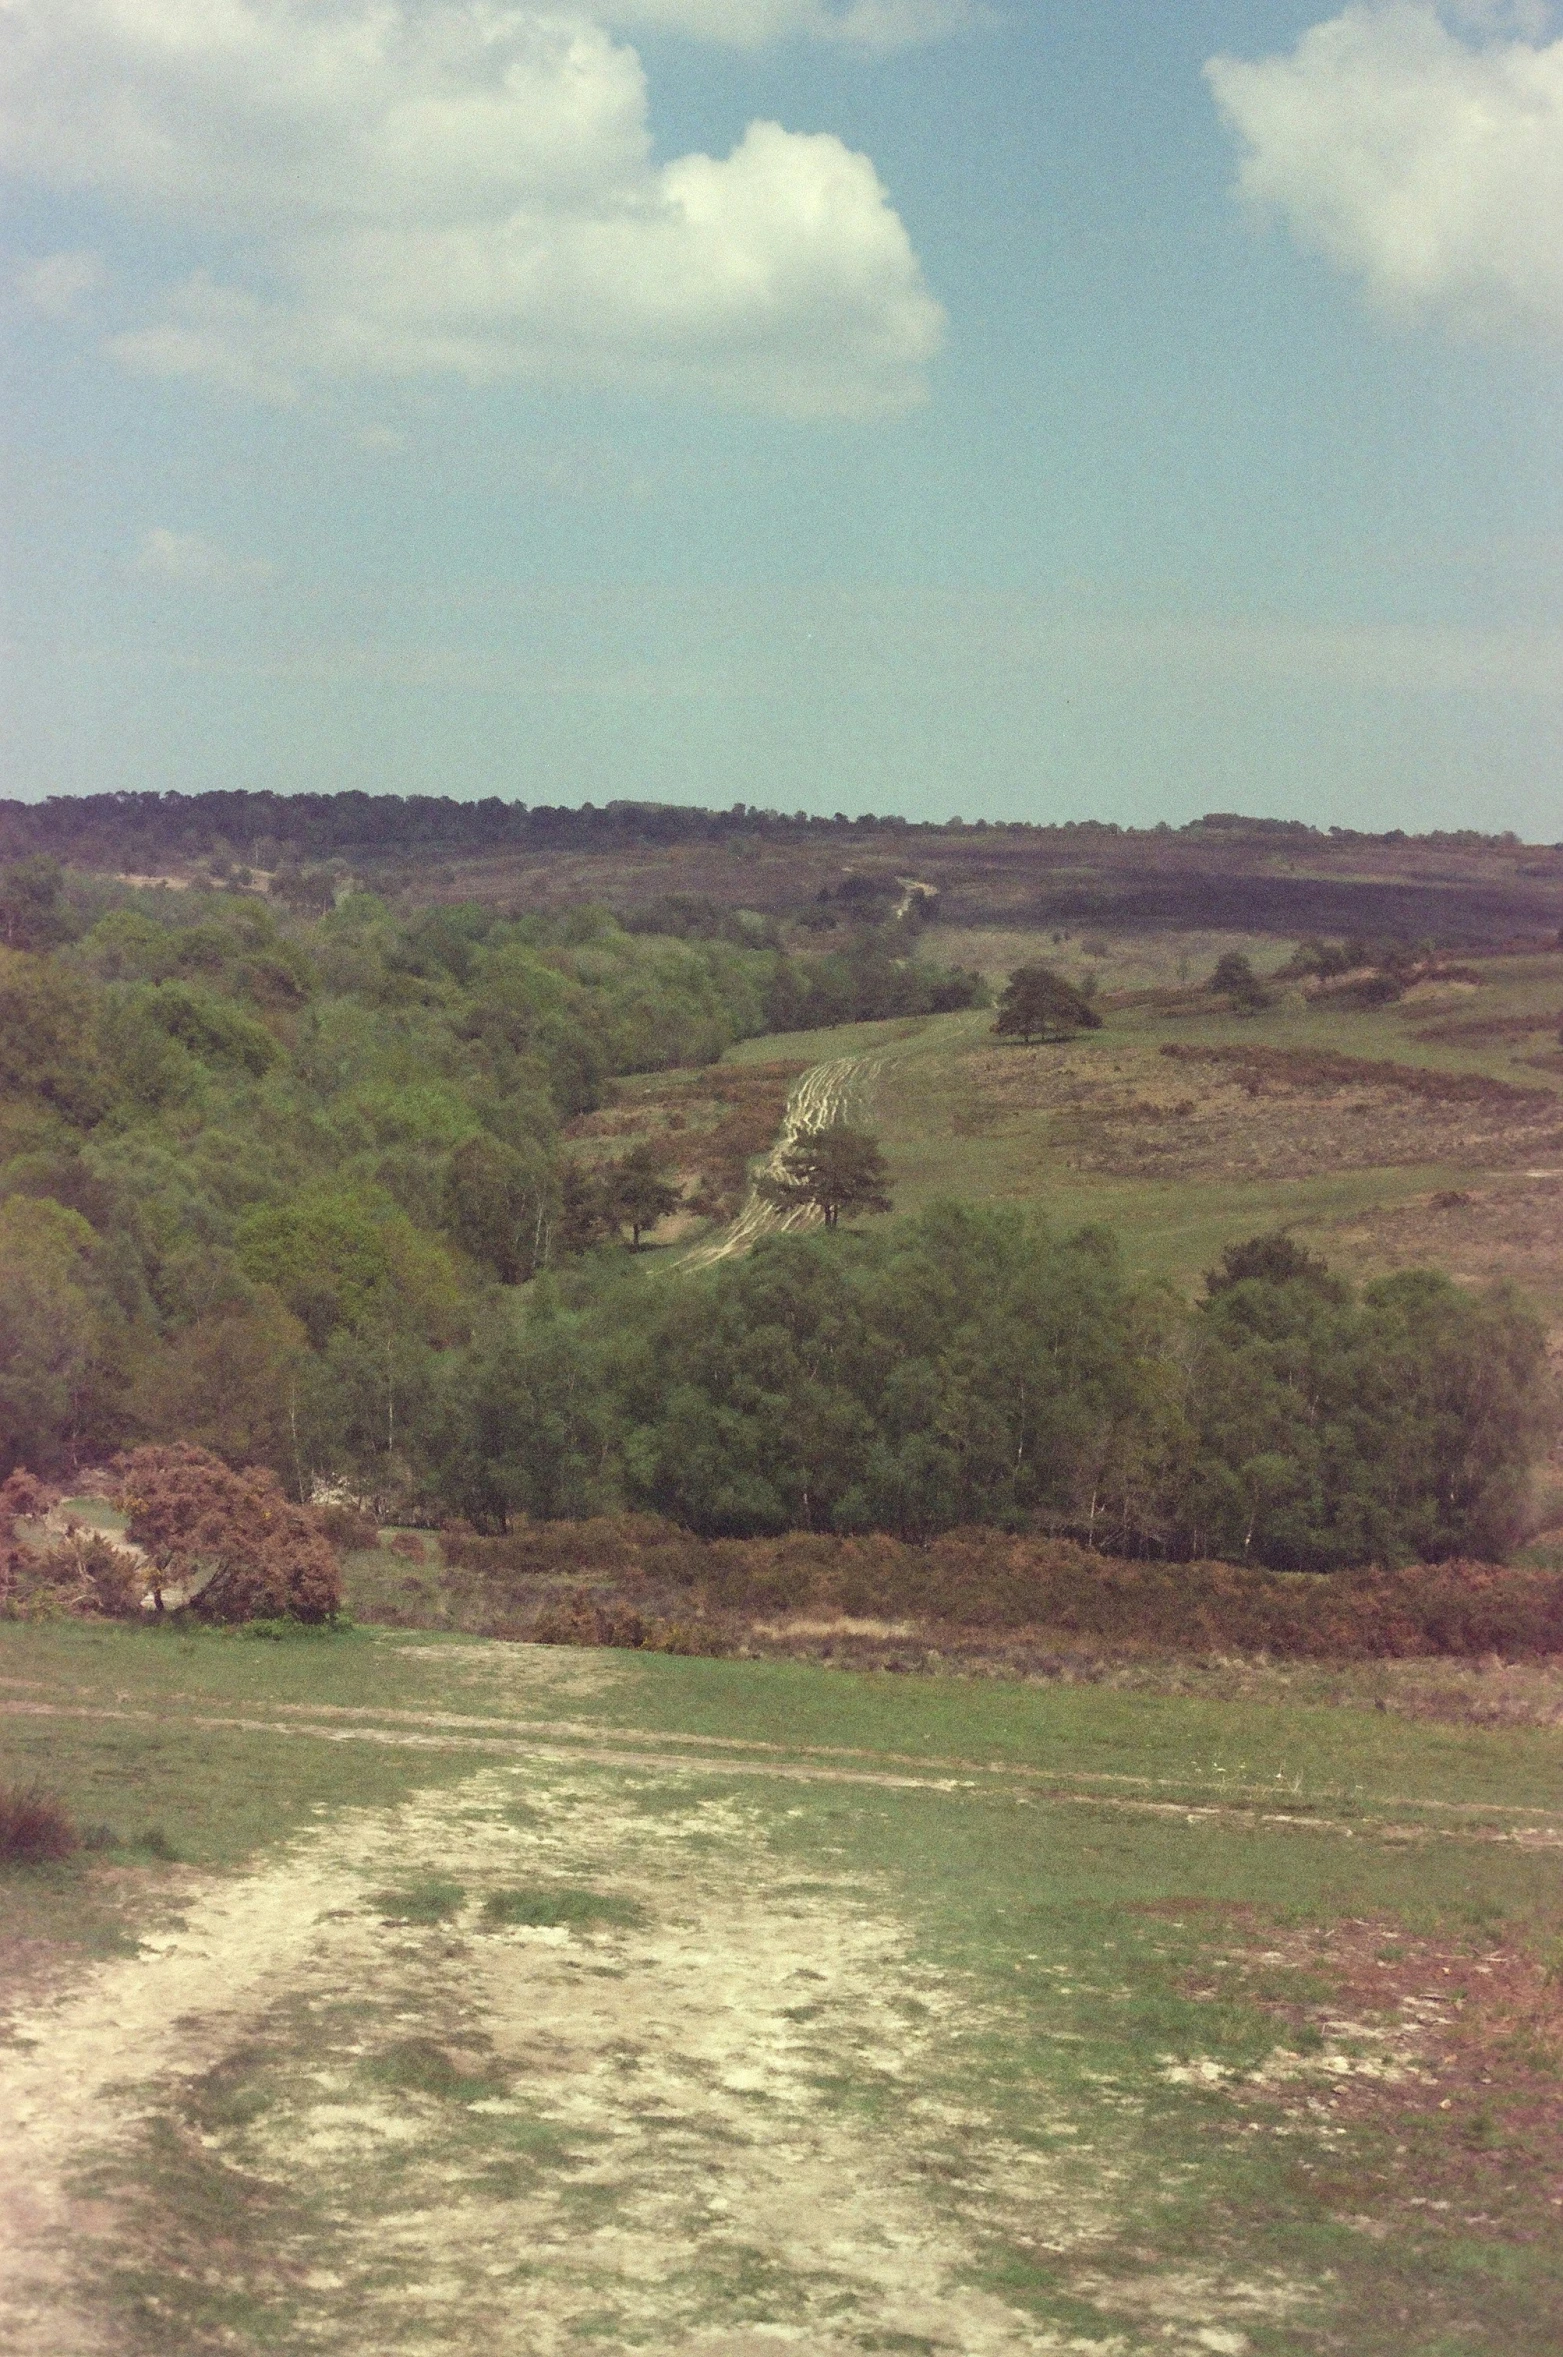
<point>1153,2021</point>
<point>1353,1167</point>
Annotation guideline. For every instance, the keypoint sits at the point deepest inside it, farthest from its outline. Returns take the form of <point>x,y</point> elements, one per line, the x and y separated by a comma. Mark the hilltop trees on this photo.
<point>1037,1003</point>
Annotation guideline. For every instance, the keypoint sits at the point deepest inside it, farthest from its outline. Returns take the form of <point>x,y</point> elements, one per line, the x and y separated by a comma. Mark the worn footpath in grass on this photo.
<point>699,2002</point>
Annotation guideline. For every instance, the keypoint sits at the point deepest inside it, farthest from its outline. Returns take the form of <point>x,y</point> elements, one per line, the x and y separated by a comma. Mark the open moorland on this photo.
<point>693,1888</point>
<point>1428,1131</point>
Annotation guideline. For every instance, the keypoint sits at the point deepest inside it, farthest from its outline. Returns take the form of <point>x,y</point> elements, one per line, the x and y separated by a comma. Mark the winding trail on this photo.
<point>821,1098</point>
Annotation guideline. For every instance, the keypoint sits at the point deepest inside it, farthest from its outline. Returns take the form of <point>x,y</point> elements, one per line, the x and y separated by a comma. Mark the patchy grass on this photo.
<point>423,1902</point>
<point>1119,2006</point>
<point>541,1906</point>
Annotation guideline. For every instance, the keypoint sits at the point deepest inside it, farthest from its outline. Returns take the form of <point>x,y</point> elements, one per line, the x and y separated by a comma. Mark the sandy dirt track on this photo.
<point>703,2190</point>
<point>562,1742</point>
<point>731,2119</point>
<point>823,1096</point>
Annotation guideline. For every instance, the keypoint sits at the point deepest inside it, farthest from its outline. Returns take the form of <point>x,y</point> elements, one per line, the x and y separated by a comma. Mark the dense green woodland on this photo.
<point>968,1367</point>
<point>260,1170</point>
<point>292,1188</point>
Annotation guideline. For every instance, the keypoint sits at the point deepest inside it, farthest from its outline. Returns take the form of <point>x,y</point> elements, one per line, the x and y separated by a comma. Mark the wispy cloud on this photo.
<point>188,561</point>
<point>875,27</point>
<point>61,285</point>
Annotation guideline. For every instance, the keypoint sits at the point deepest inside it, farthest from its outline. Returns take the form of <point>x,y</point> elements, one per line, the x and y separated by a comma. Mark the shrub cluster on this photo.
<point>35,1827</point>
<point>631,1580</point>
<point>77,1573</point>
<point>228,1546</point>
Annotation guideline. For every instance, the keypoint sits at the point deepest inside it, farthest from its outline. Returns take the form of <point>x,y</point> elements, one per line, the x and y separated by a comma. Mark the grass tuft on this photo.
<point>421,2066</point>
<point>574,1908</point>
<point>422,1902</point>
<point>35,1827</point>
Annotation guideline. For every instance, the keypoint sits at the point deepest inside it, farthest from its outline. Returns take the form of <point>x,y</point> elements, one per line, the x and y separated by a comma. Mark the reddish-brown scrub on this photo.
<point>229,1545</point>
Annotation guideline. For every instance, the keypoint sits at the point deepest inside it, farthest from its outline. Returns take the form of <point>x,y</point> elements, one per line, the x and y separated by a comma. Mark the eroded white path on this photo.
<point>71,2068</point>
<point>710,2125</point>
<point>825,1095</point>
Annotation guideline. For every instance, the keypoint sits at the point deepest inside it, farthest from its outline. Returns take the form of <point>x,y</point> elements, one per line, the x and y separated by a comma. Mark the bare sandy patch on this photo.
<point>523,1670</point>
<point>711,2125</point>
<point>704,2083</point>
<point>68,2061</point>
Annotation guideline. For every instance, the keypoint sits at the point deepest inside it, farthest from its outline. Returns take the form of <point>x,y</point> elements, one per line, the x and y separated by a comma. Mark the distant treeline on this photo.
<point>138,831</point>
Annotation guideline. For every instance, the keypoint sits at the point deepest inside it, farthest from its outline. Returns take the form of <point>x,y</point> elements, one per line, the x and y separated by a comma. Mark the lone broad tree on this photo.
<point>640,1194</point>
<point>1037,1003</point>
<point>835,1170</point>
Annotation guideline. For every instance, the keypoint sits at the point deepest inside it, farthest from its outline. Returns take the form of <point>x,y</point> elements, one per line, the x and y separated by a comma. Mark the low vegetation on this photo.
<point>1314,1069</point>
<point>35,1827</point>
<point>633,1582</point>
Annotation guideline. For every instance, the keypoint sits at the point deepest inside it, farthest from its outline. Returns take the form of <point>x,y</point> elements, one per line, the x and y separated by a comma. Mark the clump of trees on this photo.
<point>971,1367</point>
<point>1234,980</point>
<point>1037,1003</point>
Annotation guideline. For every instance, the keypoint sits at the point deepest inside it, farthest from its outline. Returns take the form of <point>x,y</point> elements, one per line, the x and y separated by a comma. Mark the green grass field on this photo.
<point>961,1114</point>
<point>518,1999</point>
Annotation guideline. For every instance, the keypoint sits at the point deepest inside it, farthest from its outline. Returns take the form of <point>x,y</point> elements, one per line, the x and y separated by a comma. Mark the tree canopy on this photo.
<point>1038,1003</point>
<point>969,1366</point>
<point>832,1169</point>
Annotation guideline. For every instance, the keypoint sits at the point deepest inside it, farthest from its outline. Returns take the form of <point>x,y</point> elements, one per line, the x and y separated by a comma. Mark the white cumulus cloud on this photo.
<point>465,186</point>
<point>190,562</point>
<point>1427,162</point>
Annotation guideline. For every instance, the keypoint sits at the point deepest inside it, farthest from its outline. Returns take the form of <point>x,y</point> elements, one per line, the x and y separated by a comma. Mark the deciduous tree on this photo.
<point>640,1192</point>
<point>1037,1003</point>
<point>835,1170</point>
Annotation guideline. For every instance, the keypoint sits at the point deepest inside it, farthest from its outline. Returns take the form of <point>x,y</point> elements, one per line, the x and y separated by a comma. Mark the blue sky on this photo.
<point>831,404</point>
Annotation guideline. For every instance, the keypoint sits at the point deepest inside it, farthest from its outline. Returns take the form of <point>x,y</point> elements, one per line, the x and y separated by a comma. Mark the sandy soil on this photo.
<point>710,2190</point>
<point>68,2068</point>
